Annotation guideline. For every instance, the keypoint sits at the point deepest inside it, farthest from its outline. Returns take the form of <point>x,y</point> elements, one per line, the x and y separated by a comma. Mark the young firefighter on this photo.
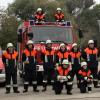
<point>49,63</point>
<point>29,60</point>
<point>62,53</point>
<point>75,59</point>
<point>91,54</point>
<point>10,57</point>
<point>39,16</point>
<point>85,78</point>
<point>59,16</point>
<point>63,77</point>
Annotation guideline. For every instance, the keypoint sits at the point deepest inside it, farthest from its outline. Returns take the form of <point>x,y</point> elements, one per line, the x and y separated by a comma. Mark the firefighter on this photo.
<point>85,78</point>
<point>10,58</point>
<point>49,62</point>
<point>62,54</point>
<point>59,16</point>
<point>39,16</point>
<point>75,59</point>
<point>29,61</point>
<point>91,54</point>
<point>63,77</point>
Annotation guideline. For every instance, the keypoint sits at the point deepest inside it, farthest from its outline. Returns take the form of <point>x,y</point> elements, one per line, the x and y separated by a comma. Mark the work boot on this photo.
<point>96,84</point>
<point>44,87</point>
<point>25,88</point>
<point>7,90</point>
<point>69,93</point>
<point>35,88</point>
<point>16,90</point>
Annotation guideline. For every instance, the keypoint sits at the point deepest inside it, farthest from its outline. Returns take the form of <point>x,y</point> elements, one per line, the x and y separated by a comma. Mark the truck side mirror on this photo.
<point>80,33</point>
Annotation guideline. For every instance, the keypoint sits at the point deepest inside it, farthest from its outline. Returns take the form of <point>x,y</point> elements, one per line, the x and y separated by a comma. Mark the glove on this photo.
<point>68,77</point>
<point>26,62</point>
<point>85,78</point>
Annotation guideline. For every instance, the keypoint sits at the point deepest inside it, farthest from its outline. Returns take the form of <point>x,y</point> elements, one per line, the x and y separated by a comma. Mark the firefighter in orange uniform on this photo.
<point>91,54</point>
<point>29,61</point>
<point>62,54</point>
<point>85,78</point>
<point>10,58</point>
<point>49,63</point>
<point>63,77</point>
<point>59,16</point>
<point>75,59</point>
<point>39,16</point>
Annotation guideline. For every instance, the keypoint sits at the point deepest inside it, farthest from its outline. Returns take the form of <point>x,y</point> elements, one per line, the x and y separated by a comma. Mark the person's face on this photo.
<point>84,66</point>
<point>75,48</point>
<point>10,49</point>
<point>58,11</point>
<point>65,66</point>
<point>49,45</point>
<point>39,12</point>
<point>91,45</point>
<point>30,46</point>
<point>63,48</point>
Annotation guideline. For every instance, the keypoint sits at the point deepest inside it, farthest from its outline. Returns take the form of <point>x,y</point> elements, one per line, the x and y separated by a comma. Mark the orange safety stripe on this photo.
<point>27,52</point>
<point>60,55</point>
<point>61,71</point>
<point>8,56</point>
<point>90,51</point>
<point>75,55</point>
<point>61,16</point>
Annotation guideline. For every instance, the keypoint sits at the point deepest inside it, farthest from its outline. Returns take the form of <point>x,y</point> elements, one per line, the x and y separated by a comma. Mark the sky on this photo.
<point>5,3</point>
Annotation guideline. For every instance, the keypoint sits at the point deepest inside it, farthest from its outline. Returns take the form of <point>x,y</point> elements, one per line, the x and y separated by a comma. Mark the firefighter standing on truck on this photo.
<point>29,61</point>
<point>10,57</point>
<point>48,59</point>
<point>59,16</point>
<point>85,78</point>
<point>39,16</point>
<point>75,59</point>
<point>91,54</point>
<point>63,77</point>
<point>62,54</point>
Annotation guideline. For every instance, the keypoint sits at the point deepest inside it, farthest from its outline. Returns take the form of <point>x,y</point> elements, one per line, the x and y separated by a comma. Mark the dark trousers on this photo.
<point>93,66</point>
<point>30,77</point>
<point>58,87</point>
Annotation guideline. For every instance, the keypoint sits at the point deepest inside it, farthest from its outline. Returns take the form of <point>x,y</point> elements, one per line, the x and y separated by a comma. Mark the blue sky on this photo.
<point>4,3</point>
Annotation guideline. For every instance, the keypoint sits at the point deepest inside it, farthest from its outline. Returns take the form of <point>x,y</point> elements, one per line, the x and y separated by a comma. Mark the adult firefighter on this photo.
<point>91,54</point>
<point>48,59</point>
<point>62,54</point>
<point>59,16</point>
<point>29,61</point>
<point>10,57</point>
<point>75,59</point>
<point>63,77</point>
<point>85,78</point>
<point>39,16</point>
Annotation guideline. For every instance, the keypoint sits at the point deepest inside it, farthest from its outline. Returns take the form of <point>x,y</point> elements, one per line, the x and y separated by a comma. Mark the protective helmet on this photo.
<point>83,64</point>
<point>74,44</point>
<point>62,44</point>
<point>39,9</point>
<point>9,45</point>
<point>48,41</point>
<point>29,42</point>
<point>65,62</point>
<point>91,41</point>
<point>58,9</point>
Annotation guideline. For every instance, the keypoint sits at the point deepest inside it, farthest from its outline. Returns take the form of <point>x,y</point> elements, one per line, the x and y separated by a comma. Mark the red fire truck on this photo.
<point>57,32</point>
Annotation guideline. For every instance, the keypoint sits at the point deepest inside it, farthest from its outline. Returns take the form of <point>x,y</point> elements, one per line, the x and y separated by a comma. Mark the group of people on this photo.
<point>40,16</point>
<point>60,67</point>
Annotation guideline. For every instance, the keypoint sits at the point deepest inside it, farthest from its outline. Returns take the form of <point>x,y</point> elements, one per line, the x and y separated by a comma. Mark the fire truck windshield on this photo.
<point>54,33</point>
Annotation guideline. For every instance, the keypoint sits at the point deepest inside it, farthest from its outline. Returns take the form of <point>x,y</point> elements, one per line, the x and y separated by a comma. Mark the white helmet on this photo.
<point>58,9</point>
<point>39,9</point>
<point>48,41</point>
<point>62,44</point>
<point>29,42</point>
<point>83,64</point>
<point>74,44</point>
<point>65,61</point>
<point>9,45</point>
<point>90,42</point>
